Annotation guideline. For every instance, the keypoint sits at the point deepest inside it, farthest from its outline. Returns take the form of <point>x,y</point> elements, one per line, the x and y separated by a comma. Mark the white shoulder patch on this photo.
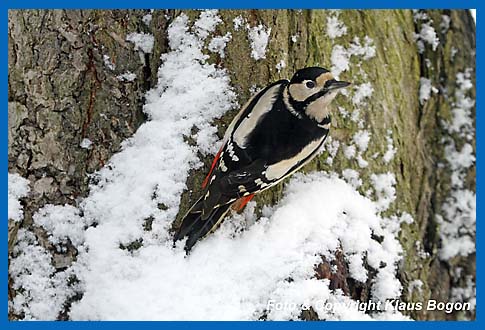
<point>263,106</point>
<point>278,170</point>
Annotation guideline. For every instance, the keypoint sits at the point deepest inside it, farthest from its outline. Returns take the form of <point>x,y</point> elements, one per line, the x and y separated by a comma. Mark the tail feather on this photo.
<point>194,227</point>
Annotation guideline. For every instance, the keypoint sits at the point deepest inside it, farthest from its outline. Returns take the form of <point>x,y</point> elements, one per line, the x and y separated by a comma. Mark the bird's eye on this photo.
<point>310,84</point>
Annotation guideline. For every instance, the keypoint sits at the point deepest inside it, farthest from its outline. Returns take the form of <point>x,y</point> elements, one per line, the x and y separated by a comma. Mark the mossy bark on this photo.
<point>62,90</point>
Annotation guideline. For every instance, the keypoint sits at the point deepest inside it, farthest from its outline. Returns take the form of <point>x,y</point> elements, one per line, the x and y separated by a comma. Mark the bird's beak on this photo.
<point>338,84</point>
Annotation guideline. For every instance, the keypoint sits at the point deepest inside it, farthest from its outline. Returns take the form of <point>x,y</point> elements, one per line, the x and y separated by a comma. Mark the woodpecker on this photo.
<point>278,131</point>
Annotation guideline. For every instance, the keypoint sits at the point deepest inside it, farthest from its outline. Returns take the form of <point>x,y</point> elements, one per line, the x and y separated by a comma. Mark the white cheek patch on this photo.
<point>278,170</point>
<point>263,106</point>
<point>299,92</point>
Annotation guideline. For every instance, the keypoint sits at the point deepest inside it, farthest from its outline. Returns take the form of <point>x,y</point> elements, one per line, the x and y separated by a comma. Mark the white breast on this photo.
<point>278,170</point>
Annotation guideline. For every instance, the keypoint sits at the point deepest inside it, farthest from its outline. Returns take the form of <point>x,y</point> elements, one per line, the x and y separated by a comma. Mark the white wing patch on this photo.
<point>278,170</point>
<point>264,105</point>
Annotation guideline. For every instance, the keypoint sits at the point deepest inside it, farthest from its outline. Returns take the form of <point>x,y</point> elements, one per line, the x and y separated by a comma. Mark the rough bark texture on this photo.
<point>63,89</point>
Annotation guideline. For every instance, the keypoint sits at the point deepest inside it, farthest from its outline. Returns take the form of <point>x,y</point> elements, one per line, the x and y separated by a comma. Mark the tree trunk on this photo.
<point>65,87</point>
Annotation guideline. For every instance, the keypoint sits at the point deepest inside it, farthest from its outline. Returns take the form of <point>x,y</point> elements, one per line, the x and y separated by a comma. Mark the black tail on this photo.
<point>194,227</point>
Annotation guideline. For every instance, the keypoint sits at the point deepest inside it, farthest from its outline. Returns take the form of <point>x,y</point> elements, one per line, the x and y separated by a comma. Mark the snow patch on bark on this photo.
<point>18,187</point>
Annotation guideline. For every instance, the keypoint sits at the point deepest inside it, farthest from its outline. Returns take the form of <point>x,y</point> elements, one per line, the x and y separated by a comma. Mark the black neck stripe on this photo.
<point>297,105</point>
<point>314,97</point>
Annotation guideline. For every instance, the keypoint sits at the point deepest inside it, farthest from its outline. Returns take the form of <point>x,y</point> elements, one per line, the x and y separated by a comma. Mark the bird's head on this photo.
<point>312,89</point>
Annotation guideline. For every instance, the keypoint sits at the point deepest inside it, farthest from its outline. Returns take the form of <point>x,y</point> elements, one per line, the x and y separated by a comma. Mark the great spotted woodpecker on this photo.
<point>279,130</point>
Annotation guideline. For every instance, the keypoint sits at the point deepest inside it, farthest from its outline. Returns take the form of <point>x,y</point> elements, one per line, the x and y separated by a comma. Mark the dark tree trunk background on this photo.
<point>63,88</point>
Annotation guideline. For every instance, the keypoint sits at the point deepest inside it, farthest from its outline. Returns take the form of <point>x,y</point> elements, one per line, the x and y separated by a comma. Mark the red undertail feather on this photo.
<point>241,202</point>
<point>214,163</point>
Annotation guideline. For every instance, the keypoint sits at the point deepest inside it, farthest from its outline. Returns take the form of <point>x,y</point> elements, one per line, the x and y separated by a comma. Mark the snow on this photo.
<point>335,28</point>
<point>86,143</point>
<point>361,161</point>
<point>458,233</point>
<point>427,33</point>
<point>349,151</point>
<point>332,146</point>
<point>341,56</point>
<point>462,122</point>
<point>40,291</point>
<point>457,223</point>
<point>391,151</point>
<point>340,60</point>
<point>280,65</point>
<point>258,38</point>
<point>352,177</point>
<point>135,181</point>
<point>147,19</point>
<point>127,76</point>
<point>460,160</point>
<point>425,89</point>
<point>238,272</point>
<point>467,293</point>
<point>362,92</point>
<point>107,61</point>
<point>361,139</point>
<point>384,188</point>
<point>238,22</point>
<point>142,41</point>
<point>445,23</point>
<point>453,52</point>
<point>218,44</point>
<point>18,187</point>
<point>207,23</point>
<point>415,285</point>
<point>62,223</point>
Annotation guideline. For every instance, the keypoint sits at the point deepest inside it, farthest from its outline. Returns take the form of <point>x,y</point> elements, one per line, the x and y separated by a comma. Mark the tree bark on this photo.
<point>63,88</point>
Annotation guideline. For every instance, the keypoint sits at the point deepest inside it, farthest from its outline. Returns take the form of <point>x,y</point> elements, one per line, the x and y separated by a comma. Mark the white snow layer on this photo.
<point>232,274</point>
<point>127,76</point>
<point>218,44</point>
<point>427,33</point>
<point>147,19</point>
<point>341,56</point>
<point>361,139</point>
<point>391,151</point>
<point>335,27</point>
<point>258,38</point>
<point>40,292</point>
<point>86,143</point>
<point>62,223</point>
<point>18,187</point>
<point>425,90</point>
<point>458,221</point>
<point>143,41</point>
